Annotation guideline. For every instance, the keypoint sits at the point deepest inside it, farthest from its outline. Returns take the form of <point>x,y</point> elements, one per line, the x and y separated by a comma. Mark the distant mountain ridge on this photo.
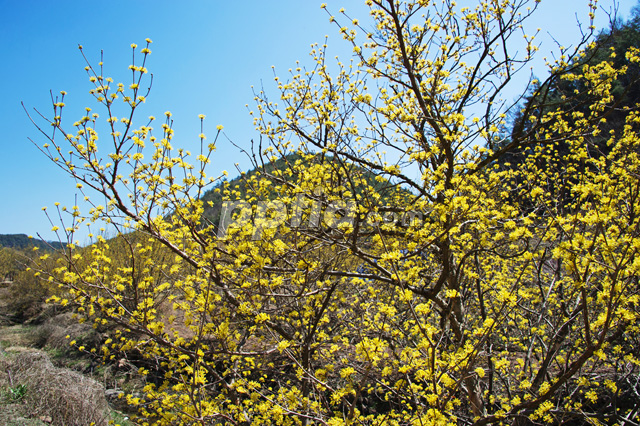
<point>22,241</point>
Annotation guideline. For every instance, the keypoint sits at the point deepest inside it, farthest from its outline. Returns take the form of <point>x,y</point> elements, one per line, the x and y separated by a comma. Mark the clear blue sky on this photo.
<point>205,57</point>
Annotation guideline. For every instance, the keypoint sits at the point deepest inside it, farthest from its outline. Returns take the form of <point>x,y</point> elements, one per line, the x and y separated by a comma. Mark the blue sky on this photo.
<point>205,57</point>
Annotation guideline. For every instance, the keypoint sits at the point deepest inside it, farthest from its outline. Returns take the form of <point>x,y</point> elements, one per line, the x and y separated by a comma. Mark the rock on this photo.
<point>112,394</point>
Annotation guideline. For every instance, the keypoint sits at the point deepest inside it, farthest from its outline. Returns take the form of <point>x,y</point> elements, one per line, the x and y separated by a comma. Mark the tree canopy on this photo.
<point>383,273</point>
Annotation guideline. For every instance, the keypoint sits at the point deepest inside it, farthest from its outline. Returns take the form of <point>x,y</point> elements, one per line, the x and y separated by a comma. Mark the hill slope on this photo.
<point>22,241</point>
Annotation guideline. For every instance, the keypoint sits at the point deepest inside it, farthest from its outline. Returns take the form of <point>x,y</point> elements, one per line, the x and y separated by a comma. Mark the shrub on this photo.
<point>482,312</point>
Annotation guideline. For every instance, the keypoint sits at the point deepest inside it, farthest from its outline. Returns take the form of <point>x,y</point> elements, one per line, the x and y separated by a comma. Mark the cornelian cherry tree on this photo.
<point>380,266</point>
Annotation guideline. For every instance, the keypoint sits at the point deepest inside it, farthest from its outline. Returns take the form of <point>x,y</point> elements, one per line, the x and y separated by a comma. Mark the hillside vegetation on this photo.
<point>22,241</point>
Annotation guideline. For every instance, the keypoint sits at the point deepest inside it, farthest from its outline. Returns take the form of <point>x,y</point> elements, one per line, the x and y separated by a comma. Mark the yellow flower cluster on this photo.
<point>382,264</point>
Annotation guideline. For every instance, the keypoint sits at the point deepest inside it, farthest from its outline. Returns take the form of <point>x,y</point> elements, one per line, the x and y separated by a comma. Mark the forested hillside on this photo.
<point>22,241</point>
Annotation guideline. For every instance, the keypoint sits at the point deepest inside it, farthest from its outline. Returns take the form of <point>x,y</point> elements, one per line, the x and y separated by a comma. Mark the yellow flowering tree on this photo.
<point>387,270</point>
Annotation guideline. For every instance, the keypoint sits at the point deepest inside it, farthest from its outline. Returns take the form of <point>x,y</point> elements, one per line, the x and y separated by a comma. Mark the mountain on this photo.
<point>22,241</point>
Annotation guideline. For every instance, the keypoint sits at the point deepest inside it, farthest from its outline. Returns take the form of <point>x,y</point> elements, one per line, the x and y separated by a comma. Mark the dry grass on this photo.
<point>61,395</point>
<point>53,333</point>
<point>16,335</point>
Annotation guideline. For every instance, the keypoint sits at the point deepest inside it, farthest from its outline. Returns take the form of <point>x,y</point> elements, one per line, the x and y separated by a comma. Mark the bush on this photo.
<point>53,334</point>
<point>25,295</point>
<point>316,302</point>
